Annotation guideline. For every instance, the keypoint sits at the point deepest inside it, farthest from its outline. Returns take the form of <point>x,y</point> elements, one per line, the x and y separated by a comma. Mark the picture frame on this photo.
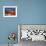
<point>9,11</point>
<point>36,32</point>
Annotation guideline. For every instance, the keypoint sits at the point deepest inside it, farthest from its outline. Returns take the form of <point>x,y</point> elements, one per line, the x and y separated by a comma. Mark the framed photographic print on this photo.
<point>9,11</point>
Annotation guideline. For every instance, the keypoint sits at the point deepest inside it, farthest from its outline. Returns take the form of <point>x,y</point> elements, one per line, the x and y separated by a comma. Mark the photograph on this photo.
<point>9,11</point>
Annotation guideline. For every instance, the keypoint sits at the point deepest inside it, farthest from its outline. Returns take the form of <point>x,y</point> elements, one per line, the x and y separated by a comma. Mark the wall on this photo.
<point>29,12</point>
